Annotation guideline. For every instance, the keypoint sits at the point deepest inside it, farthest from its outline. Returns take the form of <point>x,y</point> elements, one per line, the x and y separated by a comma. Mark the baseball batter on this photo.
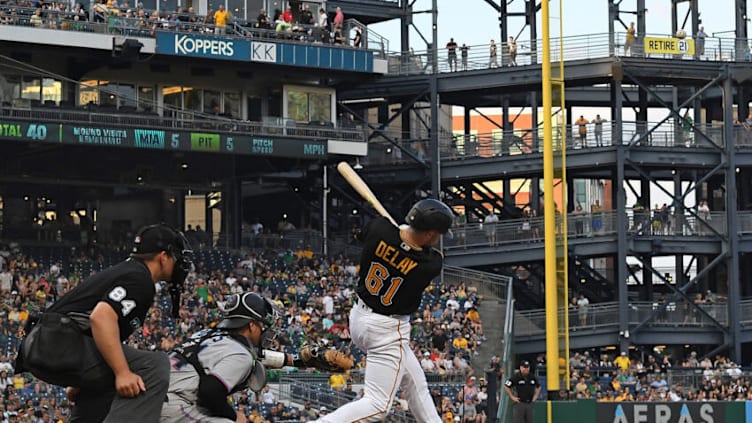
<point>215,363</point>
<point>396,265</point>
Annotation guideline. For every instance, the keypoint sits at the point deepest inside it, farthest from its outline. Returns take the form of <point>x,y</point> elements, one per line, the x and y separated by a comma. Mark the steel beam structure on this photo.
<point>681,87</point>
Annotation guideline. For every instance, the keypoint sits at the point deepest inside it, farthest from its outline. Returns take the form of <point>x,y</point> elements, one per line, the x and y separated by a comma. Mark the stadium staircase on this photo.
<point>493,290</point>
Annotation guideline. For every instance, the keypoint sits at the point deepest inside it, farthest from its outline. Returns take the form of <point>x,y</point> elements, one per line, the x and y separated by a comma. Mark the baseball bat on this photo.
<point>362,188</point>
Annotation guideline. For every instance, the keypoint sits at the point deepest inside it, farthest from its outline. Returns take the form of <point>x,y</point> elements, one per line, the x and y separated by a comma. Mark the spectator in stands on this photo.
<point>262,20</point>
<point>512,46</point>
<point>323,20</point>
<point>306,16</point>
<point>358,38</point>
<point>582,130</point>
<point>337,381</point>
<point>461,365</point>
<point>339,37</point>
<point>623,362</point>
<point>220,20</point>
<point>489,226</point>
<point>36,19</point>
<point>287,15</point>
<point>339,18</point>
<point>583,305</point>
<point>309,413</point>
<point>492,55</point>
<point>630,38</point>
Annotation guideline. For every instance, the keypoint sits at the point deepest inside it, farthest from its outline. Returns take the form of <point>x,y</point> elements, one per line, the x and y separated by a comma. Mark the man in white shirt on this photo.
<point>734,371</point>
<point>328,302</point>
<point>231,279</point>
<point>426,363</point>
<point>453,304</point>
<point>489,226</point>
<point>6,280</point>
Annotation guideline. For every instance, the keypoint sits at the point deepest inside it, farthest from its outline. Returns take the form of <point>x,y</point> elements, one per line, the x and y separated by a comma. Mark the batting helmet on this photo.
<point>241,309</point>
<point>430,214</point>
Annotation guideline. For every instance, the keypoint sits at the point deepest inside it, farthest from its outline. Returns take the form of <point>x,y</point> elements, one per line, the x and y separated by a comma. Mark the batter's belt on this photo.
<point>365,307</point>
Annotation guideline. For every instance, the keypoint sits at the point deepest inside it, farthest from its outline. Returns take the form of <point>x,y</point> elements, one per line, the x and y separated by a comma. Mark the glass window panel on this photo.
<point>127,94</point>
<point>168,5</point>
<point>212,6</point>
<point>146,100</point>
<point>237,9</point>
<point>52,90</point>
<point>31,88</point>
<point>147,4</point>
<point>192,99</point>
<point>320,107</point>
<point>297,106</point>
<point>172,99</point>
<point>10,86</point>
<point>88,93</point>
<point>255,107</point>
<point>232,104</point>
<point>253,7</point>
<point>107,94</point>
<point>212,102</point>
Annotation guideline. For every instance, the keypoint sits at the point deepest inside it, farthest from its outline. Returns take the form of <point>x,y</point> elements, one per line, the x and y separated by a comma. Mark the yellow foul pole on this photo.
<point>562,248</point>
<point>549,214</point>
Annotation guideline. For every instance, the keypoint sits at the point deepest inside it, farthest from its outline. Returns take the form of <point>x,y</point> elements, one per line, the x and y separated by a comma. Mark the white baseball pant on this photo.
<point>389,363</point>
<point>178,410</point>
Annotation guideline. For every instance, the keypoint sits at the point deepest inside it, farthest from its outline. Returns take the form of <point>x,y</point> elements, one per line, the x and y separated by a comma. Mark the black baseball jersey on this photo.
<point>523,385</point>
<point>127,287</point>
<point>393,276</point>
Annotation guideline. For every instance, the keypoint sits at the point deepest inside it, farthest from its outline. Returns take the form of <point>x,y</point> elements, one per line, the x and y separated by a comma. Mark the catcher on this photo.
<point>215,363</point>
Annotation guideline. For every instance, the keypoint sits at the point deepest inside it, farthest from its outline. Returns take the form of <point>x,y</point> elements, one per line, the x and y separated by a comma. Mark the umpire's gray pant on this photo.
<point>98,398</point>
<point>522,412</point>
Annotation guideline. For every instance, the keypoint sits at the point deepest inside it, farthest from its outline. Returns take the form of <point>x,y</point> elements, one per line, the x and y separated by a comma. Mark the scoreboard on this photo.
<point>162,139</point>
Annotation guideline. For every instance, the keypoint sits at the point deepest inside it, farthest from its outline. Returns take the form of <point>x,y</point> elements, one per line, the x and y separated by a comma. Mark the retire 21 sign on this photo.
<point>208,47</point>
<point>669,45</point>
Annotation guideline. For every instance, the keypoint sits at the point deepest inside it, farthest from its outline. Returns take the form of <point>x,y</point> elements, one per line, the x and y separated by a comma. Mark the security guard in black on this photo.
<point>523,389</point>
<point>393,275</point>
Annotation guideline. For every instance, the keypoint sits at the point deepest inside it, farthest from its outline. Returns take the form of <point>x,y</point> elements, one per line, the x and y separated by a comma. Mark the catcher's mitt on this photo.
<point>325,359</point>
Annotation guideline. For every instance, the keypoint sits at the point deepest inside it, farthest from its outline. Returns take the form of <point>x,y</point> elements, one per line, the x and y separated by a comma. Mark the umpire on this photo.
<point>78,341</point>
<point>523,389</point>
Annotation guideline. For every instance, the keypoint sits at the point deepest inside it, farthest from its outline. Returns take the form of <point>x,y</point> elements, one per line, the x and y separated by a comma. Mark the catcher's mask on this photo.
<point>241,309</point>
<point>157,238</point>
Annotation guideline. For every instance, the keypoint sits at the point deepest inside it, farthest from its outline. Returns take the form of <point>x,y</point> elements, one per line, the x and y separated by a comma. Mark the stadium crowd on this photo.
<point>135,19</point>
<point>315,293</point>
<point>657,377</point>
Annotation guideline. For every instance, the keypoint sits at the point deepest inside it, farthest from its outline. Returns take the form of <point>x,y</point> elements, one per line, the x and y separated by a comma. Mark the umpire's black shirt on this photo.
<point>127,287</point>
<point>524,386</point>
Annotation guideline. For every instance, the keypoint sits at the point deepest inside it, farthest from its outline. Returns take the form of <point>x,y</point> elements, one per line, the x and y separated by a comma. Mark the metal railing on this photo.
<point>745,312</point>
<point>670,134</point>
<point>586,225</point>
<point>187,120</point>
<point>505,403</point>
<point>606,316</point>
<point>102,21</point>
<point>488,282</point>
<point>692,378</point>
<point>577,47</point>
<point>526,230</point>
<point>371,39</point>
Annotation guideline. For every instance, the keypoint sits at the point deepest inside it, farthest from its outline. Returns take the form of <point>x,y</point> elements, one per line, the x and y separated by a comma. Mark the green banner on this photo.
<point>204,142</point>
<point>159,139</point>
